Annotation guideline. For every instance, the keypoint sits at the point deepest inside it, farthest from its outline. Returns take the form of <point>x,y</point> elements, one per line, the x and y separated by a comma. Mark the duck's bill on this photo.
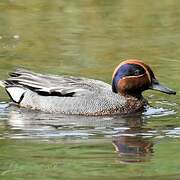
<point>158,87</point>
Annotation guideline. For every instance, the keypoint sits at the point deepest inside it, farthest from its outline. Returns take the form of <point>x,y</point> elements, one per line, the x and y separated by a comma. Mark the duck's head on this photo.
<point>132,77</point>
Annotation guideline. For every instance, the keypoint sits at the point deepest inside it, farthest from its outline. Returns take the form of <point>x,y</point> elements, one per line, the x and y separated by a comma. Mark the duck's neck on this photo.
<point>133,95</point>
<point>138,97</point>
<point>134,103</point>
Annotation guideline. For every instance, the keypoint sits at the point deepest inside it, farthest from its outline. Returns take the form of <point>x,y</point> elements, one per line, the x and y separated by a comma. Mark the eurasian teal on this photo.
<point>83,96</point>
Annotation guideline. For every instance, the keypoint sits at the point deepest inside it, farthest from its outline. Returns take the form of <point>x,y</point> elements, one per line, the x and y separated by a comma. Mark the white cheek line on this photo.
<point>133,76</point>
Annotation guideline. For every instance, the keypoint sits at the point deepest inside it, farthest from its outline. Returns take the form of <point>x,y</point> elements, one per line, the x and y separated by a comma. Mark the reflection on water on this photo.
<point>131,139</point>
<point>133,148</point>
<point>29,123</point>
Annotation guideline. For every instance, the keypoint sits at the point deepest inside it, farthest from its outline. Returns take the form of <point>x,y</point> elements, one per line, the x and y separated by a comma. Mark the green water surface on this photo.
<point>89,38</point>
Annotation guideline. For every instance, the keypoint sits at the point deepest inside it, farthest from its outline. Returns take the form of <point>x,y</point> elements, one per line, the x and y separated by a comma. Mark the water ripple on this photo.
<point>23,123</point>
<point>158,112</point>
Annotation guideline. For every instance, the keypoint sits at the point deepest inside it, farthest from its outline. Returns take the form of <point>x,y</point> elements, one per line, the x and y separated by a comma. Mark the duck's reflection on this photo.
<point>133,149</point>
<point>133,144</point>
<point>131,141</point>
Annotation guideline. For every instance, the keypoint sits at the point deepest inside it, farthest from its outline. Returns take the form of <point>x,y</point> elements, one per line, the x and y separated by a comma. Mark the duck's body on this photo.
<point>74,95</point>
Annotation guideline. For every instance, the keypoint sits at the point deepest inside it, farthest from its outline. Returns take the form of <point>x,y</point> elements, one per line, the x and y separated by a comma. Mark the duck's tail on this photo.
<point>15,92</point>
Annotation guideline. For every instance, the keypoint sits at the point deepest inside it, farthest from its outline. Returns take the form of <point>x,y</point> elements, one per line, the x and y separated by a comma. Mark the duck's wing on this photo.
<point>50,85</point>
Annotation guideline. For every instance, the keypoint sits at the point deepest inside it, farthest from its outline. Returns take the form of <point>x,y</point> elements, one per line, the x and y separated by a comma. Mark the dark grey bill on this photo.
<point>157,86</point>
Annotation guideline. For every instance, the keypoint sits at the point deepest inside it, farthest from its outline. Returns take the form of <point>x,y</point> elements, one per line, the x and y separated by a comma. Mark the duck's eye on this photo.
<point>137,72</point>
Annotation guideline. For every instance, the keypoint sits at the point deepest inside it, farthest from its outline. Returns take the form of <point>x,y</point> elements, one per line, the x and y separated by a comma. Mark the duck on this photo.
<point>84,96</point>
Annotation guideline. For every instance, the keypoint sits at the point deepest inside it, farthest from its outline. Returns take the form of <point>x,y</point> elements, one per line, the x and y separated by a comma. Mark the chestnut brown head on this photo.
<point>132,77</point>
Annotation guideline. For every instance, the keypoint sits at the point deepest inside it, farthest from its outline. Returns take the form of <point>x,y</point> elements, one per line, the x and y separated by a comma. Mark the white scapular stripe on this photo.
<point>15,93</point>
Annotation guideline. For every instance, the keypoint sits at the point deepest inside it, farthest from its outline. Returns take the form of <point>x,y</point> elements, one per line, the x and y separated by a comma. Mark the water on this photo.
<point>89,38</point>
